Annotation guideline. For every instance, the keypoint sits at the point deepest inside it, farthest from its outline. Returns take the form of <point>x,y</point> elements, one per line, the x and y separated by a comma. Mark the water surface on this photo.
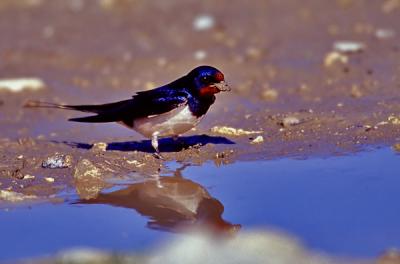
<point>345,205</point>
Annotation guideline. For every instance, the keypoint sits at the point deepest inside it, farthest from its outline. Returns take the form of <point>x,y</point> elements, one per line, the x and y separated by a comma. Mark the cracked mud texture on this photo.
<point>273,53</point>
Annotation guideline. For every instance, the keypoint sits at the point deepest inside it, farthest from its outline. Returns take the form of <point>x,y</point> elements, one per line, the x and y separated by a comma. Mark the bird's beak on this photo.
<point>222,86</point>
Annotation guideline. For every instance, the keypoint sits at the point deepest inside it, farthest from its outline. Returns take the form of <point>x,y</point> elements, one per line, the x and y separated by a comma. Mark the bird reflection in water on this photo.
<point>172,203</point>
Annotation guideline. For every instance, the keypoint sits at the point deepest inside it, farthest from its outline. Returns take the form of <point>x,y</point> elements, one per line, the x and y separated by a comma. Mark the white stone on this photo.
<point>384,33</point>
<point>257,140</point>
<point>348,46</point>
<point>200,55</point>
<point>290,121</point>
<point>14,197</point>
<point>333,57</point>
<point>21,84</point>
<point>28,177</point>
<point>231,131</point>
<point>49,179</point>
<point>203,22</point>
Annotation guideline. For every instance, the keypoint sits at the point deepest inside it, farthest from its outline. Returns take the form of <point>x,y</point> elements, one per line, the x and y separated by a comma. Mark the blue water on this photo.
<point>347,206</point>
<point>45,229</point>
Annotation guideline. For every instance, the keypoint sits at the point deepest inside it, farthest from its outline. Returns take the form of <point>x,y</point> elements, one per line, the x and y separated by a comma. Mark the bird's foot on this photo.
<point>158,181</point>
<point>159,184</point>
<point>158,155</point>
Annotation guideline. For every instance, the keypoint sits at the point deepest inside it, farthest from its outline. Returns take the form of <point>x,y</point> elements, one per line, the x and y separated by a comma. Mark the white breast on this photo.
<point>173,123</point>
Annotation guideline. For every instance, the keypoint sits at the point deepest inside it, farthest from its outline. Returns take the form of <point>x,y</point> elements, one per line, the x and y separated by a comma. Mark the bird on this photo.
<point>178,205</point>
<point>167,111</point>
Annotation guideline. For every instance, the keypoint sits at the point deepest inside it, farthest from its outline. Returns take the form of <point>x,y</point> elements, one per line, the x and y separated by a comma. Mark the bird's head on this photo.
<point>207,81</point>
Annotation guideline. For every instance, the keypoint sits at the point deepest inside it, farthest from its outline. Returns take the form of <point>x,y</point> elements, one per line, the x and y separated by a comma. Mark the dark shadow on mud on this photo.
<point>165,144</point>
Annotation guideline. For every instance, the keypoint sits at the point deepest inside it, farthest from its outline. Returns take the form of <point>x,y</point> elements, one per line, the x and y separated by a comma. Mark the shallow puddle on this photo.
<point>346,206</point>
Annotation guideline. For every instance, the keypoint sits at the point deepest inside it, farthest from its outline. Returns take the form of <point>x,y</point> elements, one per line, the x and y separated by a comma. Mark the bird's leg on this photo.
<point>158,181</point>
<point>154,143</point>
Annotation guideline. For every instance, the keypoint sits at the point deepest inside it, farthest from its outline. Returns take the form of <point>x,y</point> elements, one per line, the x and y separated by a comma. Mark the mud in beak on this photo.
<point>222,86</point>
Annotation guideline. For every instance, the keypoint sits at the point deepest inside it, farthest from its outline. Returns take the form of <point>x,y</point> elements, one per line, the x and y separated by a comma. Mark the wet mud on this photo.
<point>274,55</point>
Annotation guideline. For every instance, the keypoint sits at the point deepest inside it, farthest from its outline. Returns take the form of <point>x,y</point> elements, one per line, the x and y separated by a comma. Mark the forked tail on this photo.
<point>105,112</point>
<point>39,104</point>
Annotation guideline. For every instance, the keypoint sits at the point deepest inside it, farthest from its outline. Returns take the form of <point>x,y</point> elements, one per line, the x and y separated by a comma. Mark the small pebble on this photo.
<point>49,179</point>
<point>394,120</point>
<point>200,55</point>
<point>253,53</point>
<point>384,33</point>
<point>257,140</point>
<point>21,84</point>
<point>233,131</point>
<point>203,22</point>
<point>356,91</point>
<point>289,121</point>
<point>334,57</point>
<point>28,177</point>
<point>270,95</point>
<point>58,161</point>
<point>348,46</point>
<point>382,123</point>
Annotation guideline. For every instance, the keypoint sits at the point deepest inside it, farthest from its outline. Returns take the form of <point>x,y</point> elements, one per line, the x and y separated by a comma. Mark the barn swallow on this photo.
<point>166,111</point>
<point>180,203</point>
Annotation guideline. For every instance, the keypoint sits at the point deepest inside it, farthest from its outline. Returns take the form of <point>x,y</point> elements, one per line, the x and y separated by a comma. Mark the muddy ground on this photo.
<point>278,56</point>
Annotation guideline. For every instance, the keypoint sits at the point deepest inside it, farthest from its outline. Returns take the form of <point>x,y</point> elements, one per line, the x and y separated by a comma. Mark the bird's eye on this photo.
<point>205,78</point>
